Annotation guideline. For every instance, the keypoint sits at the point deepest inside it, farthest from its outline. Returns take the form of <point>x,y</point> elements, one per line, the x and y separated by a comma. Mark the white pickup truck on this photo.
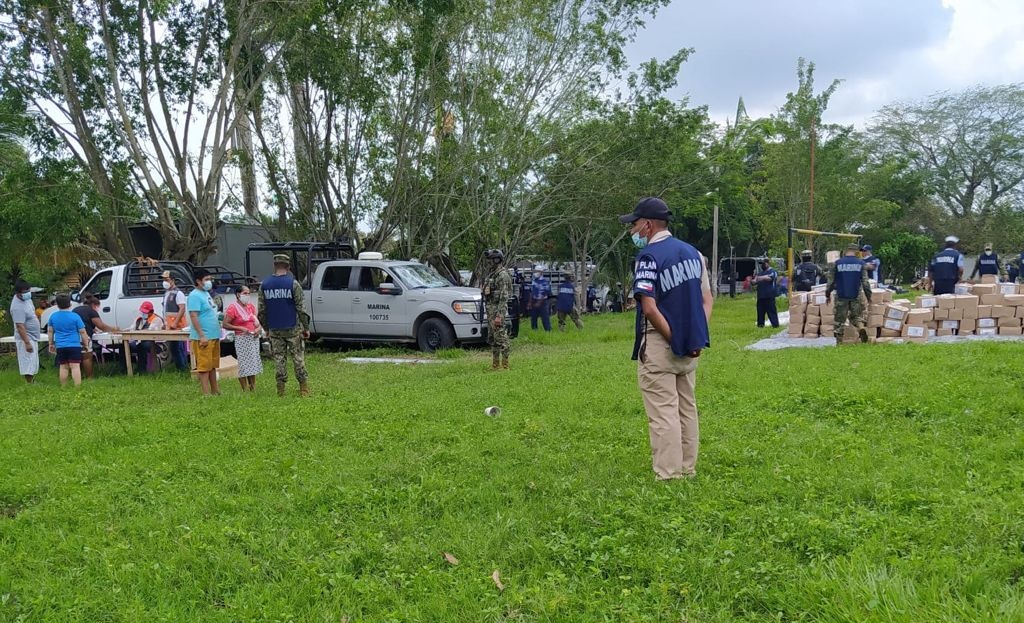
<point>122,288</point>
<point>371,299</point>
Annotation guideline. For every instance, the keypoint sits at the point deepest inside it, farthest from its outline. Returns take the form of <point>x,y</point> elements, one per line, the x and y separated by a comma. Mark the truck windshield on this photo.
<point>420,276</point>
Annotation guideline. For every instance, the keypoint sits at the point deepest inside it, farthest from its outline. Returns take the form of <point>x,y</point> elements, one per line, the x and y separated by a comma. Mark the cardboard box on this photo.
<point>991,299</point>
<point>915,331</point>
<point>1011,331</point>
<point>962,288</point>
<point>896,312</point>
<point>1008,288</point>
<point>925,302</point>
<point>920,316</point>
<point>970,312</point>
<point>1019,313</point>
<point>985,288</point>
<point>987,323</point>
<point>955,314</point>
<point>940,314</point>
<point>990,279</point>
<point>932,332</point>
<point>892,324</point>
<point>875,321</point>
<point>1000,311</point>
<point>1016,300</point>
<point>819,299</point>
<point>888,333</point>
<point>945,301</point>
<point>1008,322</point>
<point>986,331</point>
<point>944,333</point>
<point>968,326</point>
<point>950,325</point>
<point>964,301</point>
<point>813,311</point>
<point>876,309</point>
<point>811,336</point>
<point>881,295</point>
<point>984,311</point>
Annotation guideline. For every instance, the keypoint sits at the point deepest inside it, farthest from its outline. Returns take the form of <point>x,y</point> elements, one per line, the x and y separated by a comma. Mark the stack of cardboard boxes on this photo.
<point>976,309</point>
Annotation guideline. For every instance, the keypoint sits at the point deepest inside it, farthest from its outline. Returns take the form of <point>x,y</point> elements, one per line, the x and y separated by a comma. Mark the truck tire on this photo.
<point>433,334</point>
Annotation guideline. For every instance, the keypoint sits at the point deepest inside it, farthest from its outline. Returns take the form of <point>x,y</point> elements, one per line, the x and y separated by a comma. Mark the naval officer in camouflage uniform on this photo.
<point>281,312</point>
<point>497,291</point>
<point>847,278</point>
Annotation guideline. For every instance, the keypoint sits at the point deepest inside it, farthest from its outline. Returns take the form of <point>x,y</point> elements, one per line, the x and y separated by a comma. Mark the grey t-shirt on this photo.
<point>24,312</point>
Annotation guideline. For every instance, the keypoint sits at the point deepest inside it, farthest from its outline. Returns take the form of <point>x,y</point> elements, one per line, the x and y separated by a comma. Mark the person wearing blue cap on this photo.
<point>946,268</point>
<point>674,303</point>
<point>872,262</point>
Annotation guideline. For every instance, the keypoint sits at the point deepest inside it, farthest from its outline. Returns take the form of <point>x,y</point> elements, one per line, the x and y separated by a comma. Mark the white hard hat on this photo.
<point>952,239</point>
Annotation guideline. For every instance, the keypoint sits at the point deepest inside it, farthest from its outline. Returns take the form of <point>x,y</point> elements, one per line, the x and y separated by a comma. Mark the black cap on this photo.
<point>649,207</point>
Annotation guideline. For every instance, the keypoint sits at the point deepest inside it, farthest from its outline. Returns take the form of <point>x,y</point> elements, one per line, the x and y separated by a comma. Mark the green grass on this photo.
<point>870,483</point>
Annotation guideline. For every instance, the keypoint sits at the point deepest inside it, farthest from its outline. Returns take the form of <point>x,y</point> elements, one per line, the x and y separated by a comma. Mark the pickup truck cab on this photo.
<point>122,288</point>
<point>371,299</point>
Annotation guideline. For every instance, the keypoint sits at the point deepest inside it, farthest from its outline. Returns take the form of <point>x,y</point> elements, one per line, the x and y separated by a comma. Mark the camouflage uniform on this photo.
<point>852,309</point>
<point>497,292</point>
<point>288,341</point>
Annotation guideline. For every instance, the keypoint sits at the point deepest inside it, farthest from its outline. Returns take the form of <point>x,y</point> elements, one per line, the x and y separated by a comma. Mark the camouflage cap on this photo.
<point>282,258</point>
<point>853,246</point>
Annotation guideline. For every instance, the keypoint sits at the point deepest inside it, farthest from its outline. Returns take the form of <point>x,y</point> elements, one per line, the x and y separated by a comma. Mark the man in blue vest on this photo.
<point>591,298</point>
<point>673,309</point>
<point>766,280</point>
<point>540,290</point>
<point>987,264</point>
<point>946,268</point>
<point>281,312</point>
<point>565,305</point>
<point>847,278</point>
<point>873,263</point>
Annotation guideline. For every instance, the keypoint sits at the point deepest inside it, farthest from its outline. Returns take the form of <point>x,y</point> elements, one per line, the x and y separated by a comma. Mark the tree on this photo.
<point>969,148</point>
<point>905,253</point>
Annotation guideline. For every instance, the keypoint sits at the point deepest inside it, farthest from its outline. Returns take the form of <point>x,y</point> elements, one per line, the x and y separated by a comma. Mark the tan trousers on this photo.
<point>667,384</point>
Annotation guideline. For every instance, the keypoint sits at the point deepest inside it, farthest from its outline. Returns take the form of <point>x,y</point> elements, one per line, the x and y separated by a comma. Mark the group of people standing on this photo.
<point>280,316</point>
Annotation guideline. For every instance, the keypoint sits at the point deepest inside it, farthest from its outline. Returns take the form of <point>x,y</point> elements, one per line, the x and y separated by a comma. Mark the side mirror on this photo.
<point>76,296</point>
<point>389,288</point>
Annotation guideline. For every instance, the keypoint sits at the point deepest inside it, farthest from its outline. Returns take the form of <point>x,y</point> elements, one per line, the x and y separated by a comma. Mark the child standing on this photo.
<point>67,339</point>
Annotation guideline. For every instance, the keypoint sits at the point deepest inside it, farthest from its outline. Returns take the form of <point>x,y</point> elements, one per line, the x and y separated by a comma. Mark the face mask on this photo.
<point>988,252</point>
<point>207,285</point>
<point>537,275</point>
<point>167,285</point>
<point>26,296</point>
<point>639,241</point>
<point>243,299</point>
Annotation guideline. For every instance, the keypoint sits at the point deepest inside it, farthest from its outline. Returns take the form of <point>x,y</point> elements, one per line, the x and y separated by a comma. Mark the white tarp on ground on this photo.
<point>784,340</point>
<point>393,360</point>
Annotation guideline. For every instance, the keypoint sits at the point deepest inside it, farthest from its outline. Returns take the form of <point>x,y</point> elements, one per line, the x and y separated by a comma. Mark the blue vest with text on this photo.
<point>988,264</point>
<point>566,297</point>
<point>944,265</point>
<point>540,288</point>
<point>849,270</point>
<point>277,292</point>
<point>670,271</point>
<point>766,289</point>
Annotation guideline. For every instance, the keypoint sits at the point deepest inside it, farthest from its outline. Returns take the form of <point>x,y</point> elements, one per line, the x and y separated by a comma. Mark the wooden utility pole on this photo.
<point>714,253</point>
<point>810,211</point>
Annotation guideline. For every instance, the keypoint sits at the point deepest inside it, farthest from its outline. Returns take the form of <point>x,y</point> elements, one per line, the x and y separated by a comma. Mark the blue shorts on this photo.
<point>69,355</point>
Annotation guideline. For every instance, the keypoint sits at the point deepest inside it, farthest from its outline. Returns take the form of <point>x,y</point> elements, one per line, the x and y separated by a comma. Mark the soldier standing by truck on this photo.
<point>287,323</point>
<point>497,291</point>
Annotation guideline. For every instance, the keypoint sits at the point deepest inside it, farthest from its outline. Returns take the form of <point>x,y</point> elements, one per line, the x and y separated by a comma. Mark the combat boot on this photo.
<point>280,389</point>
<point>303,388</point>
<point>495,361</point>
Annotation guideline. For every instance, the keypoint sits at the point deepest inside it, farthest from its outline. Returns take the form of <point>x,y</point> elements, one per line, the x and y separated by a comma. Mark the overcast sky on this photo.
<point>883,50</point>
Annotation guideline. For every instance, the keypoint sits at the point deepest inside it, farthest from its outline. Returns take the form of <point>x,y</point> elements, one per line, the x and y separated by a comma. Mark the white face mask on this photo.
<point>988,252</point>
<point>167,285</point>
<point>243,299</point>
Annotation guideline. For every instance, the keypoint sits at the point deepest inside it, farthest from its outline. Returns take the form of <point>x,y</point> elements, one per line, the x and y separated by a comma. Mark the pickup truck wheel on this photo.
<point>433,334</point>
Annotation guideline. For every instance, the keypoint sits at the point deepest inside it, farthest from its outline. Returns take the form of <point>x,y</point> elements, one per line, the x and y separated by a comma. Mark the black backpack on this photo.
<point>806,274</point>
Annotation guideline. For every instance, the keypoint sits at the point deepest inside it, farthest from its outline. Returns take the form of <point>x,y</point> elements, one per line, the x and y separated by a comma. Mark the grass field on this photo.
<point>870,483</point>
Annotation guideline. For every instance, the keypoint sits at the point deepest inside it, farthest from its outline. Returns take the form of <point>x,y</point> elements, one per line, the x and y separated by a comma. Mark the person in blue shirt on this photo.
<point>674,301</point>
<point>873,263</point>
<point>766,280</point>
<point>591,298</point>
<point>987,264</point>
<point>946,268</point>
<point>540,291</point>
<point>565,305</point>
<point>204,335</point>
<point>68,340</point>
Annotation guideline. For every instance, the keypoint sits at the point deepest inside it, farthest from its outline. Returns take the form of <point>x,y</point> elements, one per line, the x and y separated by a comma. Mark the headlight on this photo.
<point>466,307</point>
